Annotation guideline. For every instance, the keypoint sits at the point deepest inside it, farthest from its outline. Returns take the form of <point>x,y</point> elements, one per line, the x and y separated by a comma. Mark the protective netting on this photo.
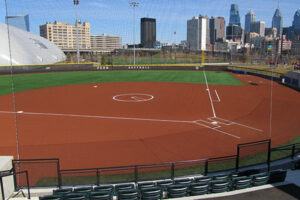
<point>41,173</point>
<point>254,153</point>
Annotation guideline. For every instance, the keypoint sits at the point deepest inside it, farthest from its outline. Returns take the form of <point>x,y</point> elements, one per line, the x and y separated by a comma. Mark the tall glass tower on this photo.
<point>234,15</point>
<point>277,22</point>
<point>296,22</point>
<point>249,19</point>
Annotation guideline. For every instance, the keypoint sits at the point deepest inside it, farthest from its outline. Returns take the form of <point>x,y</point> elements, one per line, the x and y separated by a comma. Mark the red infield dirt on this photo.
<point>113,124</point>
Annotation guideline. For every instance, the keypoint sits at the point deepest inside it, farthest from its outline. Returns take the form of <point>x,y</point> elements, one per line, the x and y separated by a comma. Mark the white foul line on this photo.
<point>122,118</point>
<point>211,102</point>
<point>219,100</point>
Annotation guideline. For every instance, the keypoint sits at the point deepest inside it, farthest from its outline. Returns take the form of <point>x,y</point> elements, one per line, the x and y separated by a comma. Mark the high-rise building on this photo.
<point>198,33</point>
<point>277,22</point>
<point>234,33</point>
<point>259,27</point>
<point>65,35</point>
<point>148,32</point>
<point>296,22</point>
<point>271,32</point>
<point>21,22</point>
<point>216,29</point>
<point>234,15</point>
<point>105,43</point>
<point>249,19</point>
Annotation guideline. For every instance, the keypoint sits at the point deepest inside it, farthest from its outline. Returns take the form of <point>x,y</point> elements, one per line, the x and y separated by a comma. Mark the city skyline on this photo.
<point>118,21</point>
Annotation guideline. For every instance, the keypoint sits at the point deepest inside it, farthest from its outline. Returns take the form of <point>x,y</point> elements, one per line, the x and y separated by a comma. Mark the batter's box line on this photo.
<point>197,122</point>
<point>228,123</point>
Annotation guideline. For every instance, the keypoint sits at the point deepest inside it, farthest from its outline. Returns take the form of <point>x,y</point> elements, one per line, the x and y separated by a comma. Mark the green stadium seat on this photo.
<point>176,191</point>
<point>145,185</point>
<point>260,180</point>
<point>104,188</point>
<point>185,181</point>
<point>103,195</point>
<point>129,194</point>
<point>221,177</point>
<point>83,190</point>
<point>126,186</point>
<point>198,189</point>
<point>243,183</point>
<point>219,186</point>
<point>259,174</point>
<point>50,197</point>
<point>63,192</point>
<point>151,194</point>
<point>204,179</point>
<point>75,196</point>
<point>164,184</point>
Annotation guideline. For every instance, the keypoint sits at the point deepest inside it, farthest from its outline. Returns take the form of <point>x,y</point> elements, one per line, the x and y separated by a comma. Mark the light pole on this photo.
<point>174,40</point>
<point>134,5</point>
<point>76,3</point>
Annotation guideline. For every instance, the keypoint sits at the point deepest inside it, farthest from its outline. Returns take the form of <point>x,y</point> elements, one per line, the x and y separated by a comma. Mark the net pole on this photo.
<point>12,82</point>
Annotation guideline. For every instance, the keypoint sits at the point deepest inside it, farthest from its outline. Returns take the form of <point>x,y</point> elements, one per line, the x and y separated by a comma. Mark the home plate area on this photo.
<point>228,127</point>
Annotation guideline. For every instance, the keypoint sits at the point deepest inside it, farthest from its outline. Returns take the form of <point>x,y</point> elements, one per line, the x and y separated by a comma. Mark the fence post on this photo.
<point>28,185</point>
<point>59,174</point>
<point>14,175</point>
<point>172,171</point>
<point>136,173</point>
<point>98,177</point>
<point>237,161</point>
<point>2,189</point>
<point>206,168</point>
<point>293,151</point>
<point>269,155</point>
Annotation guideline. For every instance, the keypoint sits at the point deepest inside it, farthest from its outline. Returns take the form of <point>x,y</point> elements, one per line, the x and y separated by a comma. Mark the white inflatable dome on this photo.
<point>27,48</point>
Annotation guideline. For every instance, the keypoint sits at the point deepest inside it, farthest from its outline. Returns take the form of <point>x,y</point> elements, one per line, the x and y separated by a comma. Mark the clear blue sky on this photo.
<point>115,17</point>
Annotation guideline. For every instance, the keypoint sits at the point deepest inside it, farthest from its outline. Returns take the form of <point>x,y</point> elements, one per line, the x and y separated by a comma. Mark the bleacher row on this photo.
<point>161,189</point>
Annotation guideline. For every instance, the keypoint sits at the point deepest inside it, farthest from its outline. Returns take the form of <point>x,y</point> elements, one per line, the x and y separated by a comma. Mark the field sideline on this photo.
<point>23,82</point>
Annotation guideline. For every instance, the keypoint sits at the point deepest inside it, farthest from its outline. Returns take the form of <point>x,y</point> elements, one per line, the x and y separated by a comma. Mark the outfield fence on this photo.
<point>47,172</point>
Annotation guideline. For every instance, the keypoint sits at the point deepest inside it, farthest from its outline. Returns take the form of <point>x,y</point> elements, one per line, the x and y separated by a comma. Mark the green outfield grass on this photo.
<point>23,82</point>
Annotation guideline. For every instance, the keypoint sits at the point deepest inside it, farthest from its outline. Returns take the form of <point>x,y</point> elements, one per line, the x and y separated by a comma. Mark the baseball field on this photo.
<point>114,118</point>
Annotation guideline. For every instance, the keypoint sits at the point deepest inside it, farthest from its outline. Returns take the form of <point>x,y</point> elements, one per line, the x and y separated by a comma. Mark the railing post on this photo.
<point>136,174</point>
<point>14,175</point>
<point>293,151</point>
<point>269,155</point>
<point>237,161</point>
<point>28,185</point>
<point>206,168</point>
<point>172,171</point>
<point>2,189</point>
<point>59,179</point>
<point>98,177</point>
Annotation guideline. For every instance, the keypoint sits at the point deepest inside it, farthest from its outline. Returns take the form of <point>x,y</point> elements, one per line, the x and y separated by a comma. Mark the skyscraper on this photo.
<point>259,27</point>
<point>148,32</point>
<point>249,19</point>
<point>216,29</point>
<point>198,33</point>
<point>277,22</point>
<point>296,22</point>
<point>234,33</point>
<point>21,22</point>
<point>234,15</point>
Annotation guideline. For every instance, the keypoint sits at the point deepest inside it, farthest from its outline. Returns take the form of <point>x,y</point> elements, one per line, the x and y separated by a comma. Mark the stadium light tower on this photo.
<point>76,3</point>
<point>134,5</point>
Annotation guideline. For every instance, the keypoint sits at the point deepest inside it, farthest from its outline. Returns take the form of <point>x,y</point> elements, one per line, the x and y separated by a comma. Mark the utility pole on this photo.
<point>134,5</point>
<point>76,3</point>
